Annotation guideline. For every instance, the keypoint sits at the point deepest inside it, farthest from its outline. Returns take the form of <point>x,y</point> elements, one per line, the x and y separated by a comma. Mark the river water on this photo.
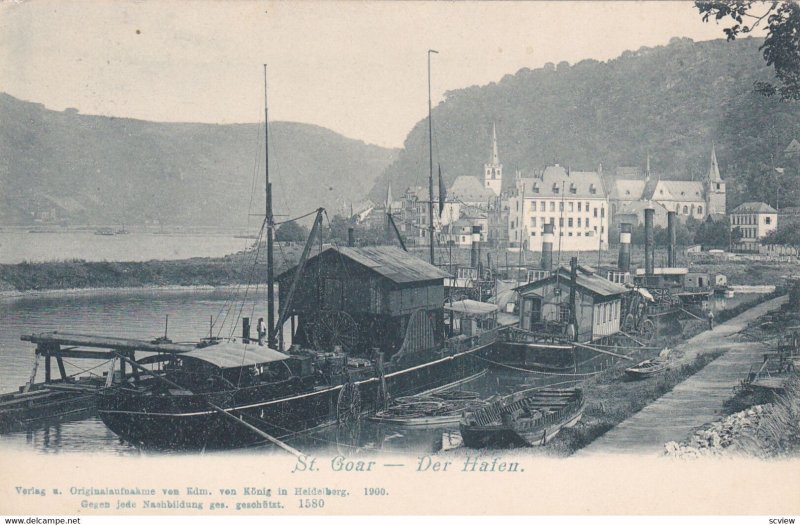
<point>142,315</point>
<point>16,247</point>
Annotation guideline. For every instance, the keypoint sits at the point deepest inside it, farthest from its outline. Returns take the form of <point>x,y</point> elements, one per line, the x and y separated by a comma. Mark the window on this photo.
<point>602,212</point>
<point>571,205</point>
<point>533,234</point>
<point>533,222</point>
<point>535,187</point>
<point>767,220</point>
<point>569,222</point>
<point>587,207</point>
<point>555,188</point>
<point>579,222</point>
<point>563,312</point>
<point>718,185</point>
<point>587,223</point>
<point>552,206</point>
<point>570,234</point>
<point>579,206</point>
<point>542,206</point>
<point>699,210</point>
<point>592,189</point>
<point>561,206</point>
<point>686,210</point>
<point>561,222</point>
<point>595,212</point>
<point>579,234</point>
<point>572,188</point>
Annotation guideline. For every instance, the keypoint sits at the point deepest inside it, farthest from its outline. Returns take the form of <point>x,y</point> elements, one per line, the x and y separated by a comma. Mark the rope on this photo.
<point>309,214</point>
<point>534,371</point>
<point>84,370</point>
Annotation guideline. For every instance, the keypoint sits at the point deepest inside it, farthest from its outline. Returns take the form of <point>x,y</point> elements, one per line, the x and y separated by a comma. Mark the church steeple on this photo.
<point>713,169</point>
<point>715,186</point>
<point>493,170</point>
<point>495,159</point>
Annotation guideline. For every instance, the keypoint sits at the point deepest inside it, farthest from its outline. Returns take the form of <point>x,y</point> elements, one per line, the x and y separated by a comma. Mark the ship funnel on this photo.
<point>671,262</point>
<point>547,247</point>
<point>624,261</point>
<point>649,244</point>
<point>351,241</point>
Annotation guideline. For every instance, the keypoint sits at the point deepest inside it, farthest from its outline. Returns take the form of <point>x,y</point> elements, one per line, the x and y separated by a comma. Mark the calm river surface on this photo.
<point>142,315</point>
<point>16,247</point>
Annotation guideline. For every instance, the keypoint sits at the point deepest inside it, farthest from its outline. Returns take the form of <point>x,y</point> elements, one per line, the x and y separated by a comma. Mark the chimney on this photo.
<point>350,237</point>
<point>671,262</point>
<point>649,253</point>
<point>624,261</point>
<point>547,247</point>
<point>475,254</point>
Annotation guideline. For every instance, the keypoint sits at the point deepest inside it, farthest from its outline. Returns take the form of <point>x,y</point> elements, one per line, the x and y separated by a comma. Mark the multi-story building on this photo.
<point>414,215</point>
<point>574,202</point>
<point>688,198</point>
<point>755,220</point>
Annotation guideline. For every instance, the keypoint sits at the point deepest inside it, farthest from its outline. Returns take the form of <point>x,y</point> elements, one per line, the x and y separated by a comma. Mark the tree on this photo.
<point>787,234</point>
<point>781,47</point>
<point>713,234</point>
<point>291,231</point>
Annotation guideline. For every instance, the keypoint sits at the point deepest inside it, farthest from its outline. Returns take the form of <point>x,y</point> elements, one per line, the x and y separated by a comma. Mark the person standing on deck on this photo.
<point>261,328</point>
<point>710,319</point>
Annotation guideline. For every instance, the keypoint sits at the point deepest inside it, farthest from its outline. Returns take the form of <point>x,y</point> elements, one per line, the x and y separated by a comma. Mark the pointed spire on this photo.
<point>495,158</point>
<point>713,169</point>
<point>647,169</point>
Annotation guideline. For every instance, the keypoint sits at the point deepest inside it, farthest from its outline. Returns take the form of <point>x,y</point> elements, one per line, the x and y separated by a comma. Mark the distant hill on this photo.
<point>107,170</point>
<point>670,101</point>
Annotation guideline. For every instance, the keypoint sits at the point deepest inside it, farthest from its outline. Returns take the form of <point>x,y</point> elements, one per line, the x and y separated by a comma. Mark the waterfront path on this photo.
<point>694,402</point>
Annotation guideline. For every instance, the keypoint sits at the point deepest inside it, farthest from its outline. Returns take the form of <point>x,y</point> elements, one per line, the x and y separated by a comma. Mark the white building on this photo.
<point>575,202</point>
<point>755,220</point>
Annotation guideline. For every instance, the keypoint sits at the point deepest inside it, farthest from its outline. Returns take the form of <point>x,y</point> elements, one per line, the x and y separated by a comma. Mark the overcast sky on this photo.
<point>356,68</point>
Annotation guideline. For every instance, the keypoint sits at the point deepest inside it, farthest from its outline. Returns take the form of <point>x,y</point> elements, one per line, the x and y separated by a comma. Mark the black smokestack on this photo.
<point>671,262</point>
<point>547,247</point>
<point>573,285</point>
<point>624,261</point>
<point>649,245</point>
<point>351,240</point>
<point>475,254</point>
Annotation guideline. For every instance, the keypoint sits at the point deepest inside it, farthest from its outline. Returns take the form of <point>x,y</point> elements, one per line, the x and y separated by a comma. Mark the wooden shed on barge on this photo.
<point>366,299</point>
<point>545,304</point>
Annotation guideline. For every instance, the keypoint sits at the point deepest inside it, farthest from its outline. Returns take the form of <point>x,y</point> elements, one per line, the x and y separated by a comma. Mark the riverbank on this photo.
<point>70,276</point>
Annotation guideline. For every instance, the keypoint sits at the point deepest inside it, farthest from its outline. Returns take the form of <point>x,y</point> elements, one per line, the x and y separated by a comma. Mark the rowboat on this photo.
<point>431,410</point>
<point>523,419</point>
<point>647,368</point>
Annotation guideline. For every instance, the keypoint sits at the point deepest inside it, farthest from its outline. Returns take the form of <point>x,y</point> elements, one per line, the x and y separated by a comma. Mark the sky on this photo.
<point>358,68</point>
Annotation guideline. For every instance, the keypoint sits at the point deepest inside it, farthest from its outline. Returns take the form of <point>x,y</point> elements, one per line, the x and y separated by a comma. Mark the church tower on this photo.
<point>493,171</point>
<point>715,187</point>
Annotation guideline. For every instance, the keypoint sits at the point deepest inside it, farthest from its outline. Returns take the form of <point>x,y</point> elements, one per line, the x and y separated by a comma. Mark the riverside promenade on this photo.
<point>696,401</point>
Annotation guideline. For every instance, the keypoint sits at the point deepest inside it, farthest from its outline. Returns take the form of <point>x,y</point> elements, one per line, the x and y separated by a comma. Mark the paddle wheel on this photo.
<point>334,330</point>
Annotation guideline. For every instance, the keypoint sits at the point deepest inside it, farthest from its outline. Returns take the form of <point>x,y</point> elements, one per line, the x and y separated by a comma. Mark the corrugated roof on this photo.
<point>591,282</point>
<point>388,261</point>
<point>754,207</point>
<point>236,355</point>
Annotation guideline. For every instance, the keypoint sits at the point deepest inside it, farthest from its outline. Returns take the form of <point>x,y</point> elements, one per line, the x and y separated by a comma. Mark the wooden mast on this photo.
<point>271,328</point>
<point>430,157</point>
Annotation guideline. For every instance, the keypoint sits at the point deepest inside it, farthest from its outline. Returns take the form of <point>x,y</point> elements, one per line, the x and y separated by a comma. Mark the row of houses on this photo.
<point>580,205</point>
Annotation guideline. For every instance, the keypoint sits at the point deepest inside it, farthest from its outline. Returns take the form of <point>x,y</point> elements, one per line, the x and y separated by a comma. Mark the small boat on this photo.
<point>523,419</point>
<point>647,368</point>
<point>105,231</point>
<point>650,367</point>
<point>431,410</point>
